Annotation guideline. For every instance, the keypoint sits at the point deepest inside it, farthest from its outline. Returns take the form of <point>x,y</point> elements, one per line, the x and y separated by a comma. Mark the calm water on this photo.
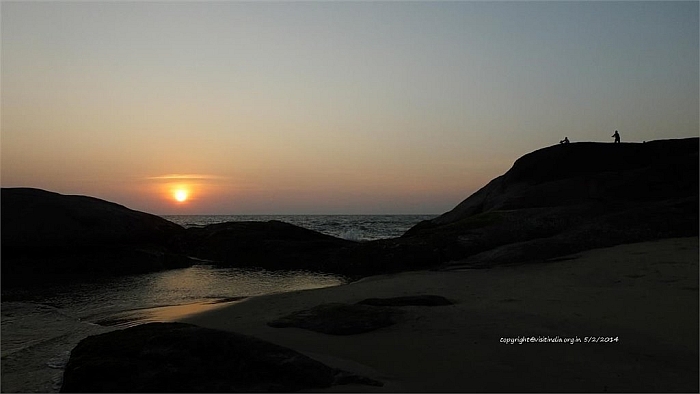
<point>40,329</point>
<point>352,227</point>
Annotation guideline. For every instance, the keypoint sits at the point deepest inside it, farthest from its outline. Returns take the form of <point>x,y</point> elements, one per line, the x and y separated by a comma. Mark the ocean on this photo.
<point>352,227</point>
<point>40,327</point>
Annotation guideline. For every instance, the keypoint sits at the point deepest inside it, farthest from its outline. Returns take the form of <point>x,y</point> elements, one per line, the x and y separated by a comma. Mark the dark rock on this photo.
<point>47,234</point>
<point>339,319</point>
<point>279,245</point>
<point>177,357</point>
<point>586,172</point>
<point>419,300</point>
<point>553,202</point>
<point>569,198</point>
<point>33,218</point>
<point>272,245</point>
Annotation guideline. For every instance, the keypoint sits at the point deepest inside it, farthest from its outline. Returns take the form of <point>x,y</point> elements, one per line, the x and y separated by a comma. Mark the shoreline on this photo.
<point>163,313</point>
<point>39,335</point>
<point>644,294</point>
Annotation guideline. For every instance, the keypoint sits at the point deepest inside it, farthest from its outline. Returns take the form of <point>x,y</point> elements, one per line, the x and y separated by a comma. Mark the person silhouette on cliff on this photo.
<point>617,137</point>
<point>564,141</point>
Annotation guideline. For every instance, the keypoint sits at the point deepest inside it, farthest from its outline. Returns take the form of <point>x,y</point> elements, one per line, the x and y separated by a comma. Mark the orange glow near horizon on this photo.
<point>180,193</point>
<point>188,193</point>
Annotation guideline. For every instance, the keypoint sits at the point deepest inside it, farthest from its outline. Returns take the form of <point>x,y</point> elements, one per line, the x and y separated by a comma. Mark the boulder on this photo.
<point>349,319</point>
<point>178,357</point>
<point>46,234</point>
<point>419,300</point>
<point>339,319</point>
<point>272,245</point>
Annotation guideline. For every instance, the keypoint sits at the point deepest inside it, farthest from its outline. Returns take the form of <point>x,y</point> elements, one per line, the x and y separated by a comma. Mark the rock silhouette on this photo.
<point>47,235</point>
<point>272,244</point>
<point>564,199</point>
<point>554,201</point>
<point>178,357</point>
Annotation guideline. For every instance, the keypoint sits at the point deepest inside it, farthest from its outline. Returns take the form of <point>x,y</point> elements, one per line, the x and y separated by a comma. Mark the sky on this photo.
<point>327,107</point>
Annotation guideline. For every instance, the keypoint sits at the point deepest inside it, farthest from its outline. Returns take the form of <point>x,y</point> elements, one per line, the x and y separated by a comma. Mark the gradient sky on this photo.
<point>327,107</point>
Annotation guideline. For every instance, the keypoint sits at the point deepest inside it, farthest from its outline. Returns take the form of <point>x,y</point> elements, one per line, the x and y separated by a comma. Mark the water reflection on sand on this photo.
<point>162,314</point>
<point>41,325</point>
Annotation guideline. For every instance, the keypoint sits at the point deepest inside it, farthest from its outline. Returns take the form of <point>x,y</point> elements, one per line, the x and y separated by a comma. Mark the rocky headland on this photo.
<point>552,202</point>
<point>555,201</point>
<point>569,198</point>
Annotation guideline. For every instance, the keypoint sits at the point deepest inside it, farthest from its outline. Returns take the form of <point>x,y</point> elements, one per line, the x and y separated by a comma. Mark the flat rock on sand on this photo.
<point>365,316</point>
<point>419,300</point>
<point>339,319</point>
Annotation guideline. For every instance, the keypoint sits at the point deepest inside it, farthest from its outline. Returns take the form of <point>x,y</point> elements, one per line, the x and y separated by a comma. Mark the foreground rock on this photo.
<point>47,235</point>
<point>178,357</point>
<point>569,198</point>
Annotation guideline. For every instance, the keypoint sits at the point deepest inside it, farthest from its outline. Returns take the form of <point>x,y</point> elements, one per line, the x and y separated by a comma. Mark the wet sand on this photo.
<point>643,297</point>
<point>166,313</point>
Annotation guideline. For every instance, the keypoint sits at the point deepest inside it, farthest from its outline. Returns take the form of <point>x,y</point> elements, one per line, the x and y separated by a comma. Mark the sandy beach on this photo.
<point>641,298</point>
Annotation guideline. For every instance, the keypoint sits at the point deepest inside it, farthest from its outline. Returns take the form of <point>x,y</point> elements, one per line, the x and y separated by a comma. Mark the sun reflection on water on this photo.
<point>174,294</point>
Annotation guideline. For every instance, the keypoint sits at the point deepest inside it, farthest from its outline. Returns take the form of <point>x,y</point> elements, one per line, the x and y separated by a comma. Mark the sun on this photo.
<point>181,195</point>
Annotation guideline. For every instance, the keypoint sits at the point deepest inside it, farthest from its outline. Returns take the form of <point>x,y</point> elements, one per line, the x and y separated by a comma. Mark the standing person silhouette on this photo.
<point>617,137</point>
